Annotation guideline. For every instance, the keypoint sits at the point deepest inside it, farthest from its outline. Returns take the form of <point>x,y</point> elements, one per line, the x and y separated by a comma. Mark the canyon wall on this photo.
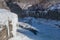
<point>21,3</point>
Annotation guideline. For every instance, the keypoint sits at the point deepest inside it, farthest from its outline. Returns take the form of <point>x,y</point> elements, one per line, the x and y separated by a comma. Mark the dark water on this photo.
<point>47,28</point>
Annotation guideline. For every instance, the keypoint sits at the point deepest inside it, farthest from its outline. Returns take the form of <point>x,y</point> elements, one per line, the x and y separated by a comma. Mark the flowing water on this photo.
<point>48,29</point>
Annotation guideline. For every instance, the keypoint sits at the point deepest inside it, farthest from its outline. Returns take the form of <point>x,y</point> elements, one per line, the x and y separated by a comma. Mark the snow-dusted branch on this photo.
<point>28,27</point>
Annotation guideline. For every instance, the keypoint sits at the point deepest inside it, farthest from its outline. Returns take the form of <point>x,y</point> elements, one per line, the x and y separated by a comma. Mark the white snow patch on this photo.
<point>6,15</point>
<point>20,36</point>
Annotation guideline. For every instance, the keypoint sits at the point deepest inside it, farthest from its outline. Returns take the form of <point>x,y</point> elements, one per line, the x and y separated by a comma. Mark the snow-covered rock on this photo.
<point>27,27</point>
<point>6,15</point>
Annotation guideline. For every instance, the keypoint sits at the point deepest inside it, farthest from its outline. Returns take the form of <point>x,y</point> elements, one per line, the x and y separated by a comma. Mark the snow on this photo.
<point>4,21</point>
<point>20,36</point>
<point>6,15</point>
<point>25,25</point>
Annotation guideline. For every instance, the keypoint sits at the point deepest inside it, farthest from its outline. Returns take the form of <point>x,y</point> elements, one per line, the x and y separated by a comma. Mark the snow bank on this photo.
<point>6,15</point>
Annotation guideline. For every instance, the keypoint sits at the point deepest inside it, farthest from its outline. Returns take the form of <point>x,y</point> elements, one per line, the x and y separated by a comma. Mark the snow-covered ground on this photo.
<point>48,29</point>
<point>5,17</point>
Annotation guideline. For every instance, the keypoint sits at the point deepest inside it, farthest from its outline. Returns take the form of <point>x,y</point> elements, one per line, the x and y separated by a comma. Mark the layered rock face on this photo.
<point>26,3</point>
<point>38,9</point>
<point>21,3</point>
<point>3,5</point>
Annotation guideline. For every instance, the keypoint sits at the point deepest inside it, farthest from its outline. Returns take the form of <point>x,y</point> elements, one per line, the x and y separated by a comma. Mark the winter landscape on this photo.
<point>30,20</point>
